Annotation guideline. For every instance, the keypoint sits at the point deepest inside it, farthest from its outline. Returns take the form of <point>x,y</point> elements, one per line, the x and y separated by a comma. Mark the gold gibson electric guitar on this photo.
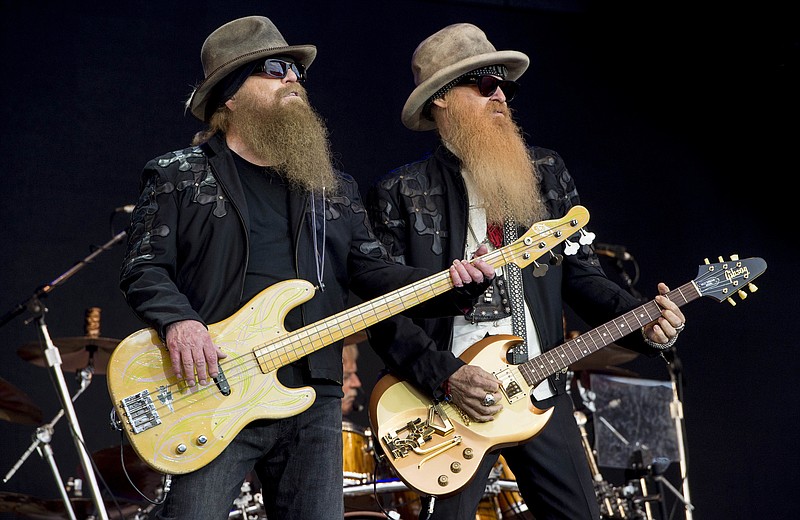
<point>436,450</point>
<point>176,430</point>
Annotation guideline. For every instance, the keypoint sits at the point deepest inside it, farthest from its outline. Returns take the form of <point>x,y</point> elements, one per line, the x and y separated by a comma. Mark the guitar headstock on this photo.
<point>546,234</point>
<point>724,279</point>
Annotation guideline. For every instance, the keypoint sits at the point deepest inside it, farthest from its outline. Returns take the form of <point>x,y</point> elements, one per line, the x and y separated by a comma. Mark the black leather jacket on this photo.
<point>419,212</point>
<point>188,249</point>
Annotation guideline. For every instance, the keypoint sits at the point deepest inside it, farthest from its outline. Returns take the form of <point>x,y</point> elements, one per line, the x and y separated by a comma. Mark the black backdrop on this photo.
<point>678,123</point>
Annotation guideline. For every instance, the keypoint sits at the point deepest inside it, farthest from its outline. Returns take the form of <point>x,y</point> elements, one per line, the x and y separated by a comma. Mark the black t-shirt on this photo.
<point>270,258</point>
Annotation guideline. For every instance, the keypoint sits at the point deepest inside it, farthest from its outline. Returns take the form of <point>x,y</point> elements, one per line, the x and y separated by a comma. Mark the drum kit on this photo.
<point>370,487</point>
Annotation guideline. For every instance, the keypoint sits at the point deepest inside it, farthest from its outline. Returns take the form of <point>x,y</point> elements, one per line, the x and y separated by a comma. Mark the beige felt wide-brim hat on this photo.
<point>446,55</point>
<point>238,42</point>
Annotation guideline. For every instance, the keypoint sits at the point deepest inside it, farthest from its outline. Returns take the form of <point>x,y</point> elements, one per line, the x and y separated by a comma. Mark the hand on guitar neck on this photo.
<point>195,357</point>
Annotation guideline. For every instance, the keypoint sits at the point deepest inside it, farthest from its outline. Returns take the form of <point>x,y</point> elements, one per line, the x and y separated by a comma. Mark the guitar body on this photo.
<point>204,420</point>
<point>435,451</point>
<point>446,462</point>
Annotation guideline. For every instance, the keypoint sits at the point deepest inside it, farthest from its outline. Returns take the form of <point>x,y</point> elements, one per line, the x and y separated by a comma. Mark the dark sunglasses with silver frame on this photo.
<point>278,69</point>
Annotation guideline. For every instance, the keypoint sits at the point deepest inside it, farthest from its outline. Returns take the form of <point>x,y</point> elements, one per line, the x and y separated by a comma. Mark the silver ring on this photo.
<point>680,327</point>
<point>488,400</point>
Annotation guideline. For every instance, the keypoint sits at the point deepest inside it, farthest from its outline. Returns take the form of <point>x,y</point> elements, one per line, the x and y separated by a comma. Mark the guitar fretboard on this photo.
<point>539,368</point>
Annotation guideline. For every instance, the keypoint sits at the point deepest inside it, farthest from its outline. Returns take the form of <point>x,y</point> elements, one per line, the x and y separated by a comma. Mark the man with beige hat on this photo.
<point>254,202</point>
<point>484,185</point>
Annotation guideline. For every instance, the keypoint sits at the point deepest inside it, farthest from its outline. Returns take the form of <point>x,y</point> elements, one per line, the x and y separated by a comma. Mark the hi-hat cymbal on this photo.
<point>141,475</point>
<point>16,406</point>
<point>606,357</point>
<point>76,353</point>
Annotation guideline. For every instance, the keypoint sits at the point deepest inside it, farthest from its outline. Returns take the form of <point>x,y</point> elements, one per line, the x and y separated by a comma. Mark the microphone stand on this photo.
<point>53,357</point>
<point>676,410</point>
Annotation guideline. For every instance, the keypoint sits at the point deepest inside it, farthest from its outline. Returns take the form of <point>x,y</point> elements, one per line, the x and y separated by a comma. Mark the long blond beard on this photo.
<point>492,150</point>
<point>289,136</point>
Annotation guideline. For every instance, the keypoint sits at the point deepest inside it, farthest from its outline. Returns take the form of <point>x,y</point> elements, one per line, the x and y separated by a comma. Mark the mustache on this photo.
<point>293,88</point>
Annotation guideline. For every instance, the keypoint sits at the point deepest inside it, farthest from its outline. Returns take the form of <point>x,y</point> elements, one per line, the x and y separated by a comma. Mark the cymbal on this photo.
<point>25,505</point>
<point>75,353</point>
<point>16,406</point>
<point>46,509</point>
<point>143,477</point>
<point>605,358</point>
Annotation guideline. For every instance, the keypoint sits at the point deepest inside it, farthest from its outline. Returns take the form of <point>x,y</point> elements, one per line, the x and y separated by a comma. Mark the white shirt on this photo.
<point>466,333</point>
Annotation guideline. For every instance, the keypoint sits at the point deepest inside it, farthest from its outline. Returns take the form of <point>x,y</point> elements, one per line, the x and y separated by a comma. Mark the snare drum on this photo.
<point>358,460</point>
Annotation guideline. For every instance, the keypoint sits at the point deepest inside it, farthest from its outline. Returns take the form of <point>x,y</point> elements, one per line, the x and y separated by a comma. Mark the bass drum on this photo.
<point>488,509</point>
<point>358,455</point>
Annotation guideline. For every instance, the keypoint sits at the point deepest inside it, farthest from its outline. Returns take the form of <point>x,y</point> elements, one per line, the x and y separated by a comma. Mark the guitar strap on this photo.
<point>519,354</point>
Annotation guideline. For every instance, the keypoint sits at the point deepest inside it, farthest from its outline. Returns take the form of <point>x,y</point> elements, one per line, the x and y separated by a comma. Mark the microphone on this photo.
<point>128,208</point>
<point>612,251</point>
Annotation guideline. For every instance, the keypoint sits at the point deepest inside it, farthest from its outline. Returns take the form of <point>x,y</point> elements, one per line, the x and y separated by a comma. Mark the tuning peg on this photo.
<point>752,287</point>
<point>730,300</point>
<point>734,257</point>
<point>586,238</point>
<point>742,294</point>
<point>570,248</point>
<point>706,261</point>
<point>540,269</point>
<point>722,260</point>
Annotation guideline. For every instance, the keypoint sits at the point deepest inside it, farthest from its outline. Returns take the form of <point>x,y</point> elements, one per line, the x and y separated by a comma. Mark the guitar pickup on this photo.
<point>140,411</point>
<point>509,386</point>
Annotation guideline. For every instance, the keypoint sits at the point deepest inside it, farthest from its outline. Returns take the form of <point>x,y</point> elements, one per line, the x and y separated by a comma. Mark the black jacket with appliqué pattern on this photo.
<point>419,212</point>
<point>188,249</point>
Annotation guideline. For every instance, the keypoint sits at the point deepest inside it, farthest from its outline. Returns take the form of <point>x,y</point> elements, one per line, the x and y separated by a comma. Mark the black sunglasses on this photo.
<point>487,85</point>
<point>278,69</point>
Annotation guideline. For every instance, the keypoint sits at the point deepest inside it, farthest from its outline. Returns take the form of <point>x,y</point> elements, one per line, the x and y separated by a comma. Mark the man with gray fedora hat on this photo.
<point>484,185</point>
<point>253,202</point>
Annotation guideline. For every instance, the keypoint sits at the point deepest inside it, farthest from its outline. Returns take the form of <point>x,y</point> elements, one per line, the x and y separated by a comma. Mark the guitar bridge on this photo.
<point>419,433</point>
<point>509,386</point>
<point>140,411</point>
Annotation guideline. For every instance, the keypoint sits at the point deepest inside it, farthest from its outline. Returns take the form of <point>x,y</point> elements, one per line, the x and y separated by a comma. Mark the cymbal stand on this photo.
<point>45,433</point>
<point>676,410</point>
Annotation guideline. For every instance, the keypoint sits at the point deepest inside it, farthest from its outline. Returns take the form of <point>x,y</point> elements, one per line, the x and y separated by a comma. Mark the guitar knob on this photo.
<point>201,440</point>
<point>443,480</point>
<point>181,448</point>
<point>455,467</point>
<point>468,453</point>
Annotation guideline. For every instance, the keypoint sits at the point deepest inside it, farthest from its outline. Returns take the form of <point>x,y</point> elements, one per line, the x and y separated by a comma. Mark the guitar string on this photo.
<point>652,311</point>
<point>231,366</point>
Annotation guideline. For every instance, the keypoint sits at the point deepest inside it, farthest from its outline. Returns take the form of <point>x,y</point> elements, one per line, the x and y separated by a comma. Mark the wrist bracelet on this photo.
<point>659,346</point>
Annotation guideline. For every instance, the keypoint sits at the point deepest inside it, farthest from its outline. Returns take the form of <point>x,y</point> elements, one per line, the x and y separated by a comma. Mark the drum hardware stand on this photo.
<point>41,443</point>
<point>676,410</point>
<point>53,357</point>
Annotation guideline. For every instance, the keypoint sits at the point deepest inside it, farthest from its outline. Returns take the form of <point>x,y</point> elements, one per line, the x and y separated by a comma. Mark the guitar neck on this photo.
<point>541,238</point>
<point>539,368</point>
<point>313,337</point>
